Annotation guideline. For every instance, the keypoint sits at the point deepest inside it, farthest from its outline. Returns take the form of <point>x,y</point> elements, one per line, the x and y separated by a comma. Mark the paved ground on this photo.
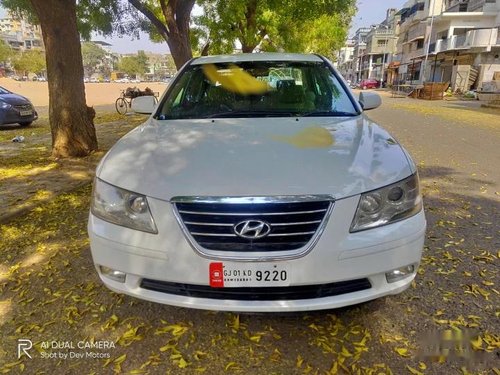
<point>50,291</point>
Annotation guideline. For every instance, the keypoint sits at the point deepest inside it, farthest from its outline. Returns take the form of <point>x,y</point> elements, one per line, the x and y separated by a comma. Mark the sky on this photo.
<point>371,12</point>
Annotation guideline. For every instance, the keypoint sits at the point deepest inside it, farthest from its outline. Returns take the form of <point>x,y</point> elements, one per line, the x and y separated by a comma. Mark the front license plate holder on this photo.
<point>26,113</point>
<point>241,275</point>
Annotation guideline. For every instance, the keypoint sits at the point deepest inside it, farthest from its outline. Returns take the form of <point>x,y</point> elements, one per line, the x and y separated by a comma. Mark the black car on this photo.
<point>16,108</point>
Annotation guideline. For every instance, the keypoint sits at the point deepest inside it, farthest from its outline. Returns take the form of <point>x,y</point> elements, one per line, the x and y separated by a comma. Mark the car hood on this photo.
<point>255,157</point>
<point>14,99</point>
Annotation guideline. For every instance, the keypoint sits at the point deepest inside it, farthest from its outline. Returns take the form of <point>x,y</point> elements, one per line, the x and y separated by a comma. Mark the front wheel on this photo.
<point>365,87</point>
<point>26,123</point>
<point>121,106</point>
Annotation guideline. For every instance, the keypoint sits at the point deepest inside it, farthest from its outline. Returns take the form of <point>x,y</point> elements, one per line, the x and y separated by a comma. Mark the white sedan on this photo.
<point>240,195</point>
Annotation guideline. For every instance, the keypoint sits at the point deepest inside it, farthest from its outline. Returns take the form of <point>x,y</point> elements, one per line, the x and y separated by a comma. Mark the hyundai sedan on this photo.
<point>15,108</point>
<point>247,192</point>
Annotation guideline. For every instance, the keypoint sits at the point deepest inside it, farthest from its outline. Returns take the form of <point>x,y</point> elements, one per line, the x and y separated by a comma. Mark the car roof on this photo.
<point>268,56</point>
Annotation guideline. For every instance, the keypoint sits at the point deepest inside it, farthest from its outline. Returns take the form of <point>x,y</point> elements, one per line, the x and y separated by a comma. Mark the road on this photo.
<point>51,291</point>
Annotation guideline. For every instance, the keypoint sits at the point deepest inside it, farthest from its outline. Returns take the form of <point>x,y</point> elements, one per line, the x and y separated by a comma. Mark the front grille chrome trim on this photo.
<point>291,234</point>
<point>213,234</point>
<point>250,214</point>
<point>254,256</point>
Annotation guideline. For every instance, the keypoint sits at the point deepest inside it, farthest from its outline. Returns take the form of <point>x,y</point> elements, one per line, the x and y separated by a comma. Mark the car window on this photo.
<point>256,89</point>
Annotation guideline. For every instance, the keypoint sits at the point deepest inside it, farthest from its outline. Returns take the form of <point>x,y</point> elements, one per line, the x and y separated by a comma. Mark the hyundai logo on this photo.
<point>252,229</point>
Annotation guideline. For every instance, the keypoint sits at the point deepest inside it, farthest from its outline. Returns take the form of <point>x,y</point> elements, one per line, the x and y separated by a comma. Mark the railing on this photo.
<point>416,32</point>
<point>470,6</point>
<point>472,39</point>
<point>482,37</point>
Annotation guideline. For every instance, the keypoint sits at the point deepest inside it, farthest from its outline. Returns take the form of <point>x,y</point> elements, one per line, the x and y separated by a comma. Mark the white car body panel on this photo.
<point>243,157</point>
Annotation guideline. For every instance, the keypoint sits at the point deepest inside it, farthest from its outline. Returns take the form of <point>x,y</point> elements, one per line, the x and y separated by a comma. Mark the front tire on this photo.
<point>121,106</point>
<point>26,123</point>
<point>364,87</point>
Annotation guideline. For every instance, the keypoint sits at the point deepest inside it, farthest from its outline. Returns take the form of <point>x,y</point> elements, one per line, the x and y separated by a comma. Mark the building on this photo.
<point>19,34</point>
<point>107,64</point>
<point>359,51</point>
<point>160,66</point>
<point>465,44</point>
<point>345,61</point>
<point>454,41</point>
<point>374,48</point>
<point>412,36</point>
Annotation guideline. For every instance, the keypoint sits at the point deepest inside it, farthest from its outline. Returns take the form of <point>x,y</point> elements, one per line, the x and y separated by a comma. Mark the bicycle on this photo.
<point>124,101</point>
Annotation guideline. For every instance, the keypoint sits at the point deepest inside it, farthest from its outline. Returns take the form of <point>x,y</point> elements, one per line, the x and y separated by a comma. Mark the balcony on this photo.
<point>417,32</point>
<point>479,38</point>
<point>460,6</point>
<point>482,38</point>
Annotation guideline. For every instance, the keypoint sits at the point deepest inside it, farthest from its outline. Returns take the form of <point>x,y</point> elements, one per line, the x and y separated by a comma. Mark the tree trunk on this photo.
<point>71,121</point>
<point>248,28</point>
<point>175,28</point>
<point>180,49</point>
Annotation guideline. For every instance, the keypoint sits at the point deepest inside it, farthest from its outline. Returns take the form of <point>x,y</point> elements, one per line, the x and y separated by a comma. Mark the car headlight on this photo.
<point>5,105</point>
<point>388,204</point>
<point>121,207</point>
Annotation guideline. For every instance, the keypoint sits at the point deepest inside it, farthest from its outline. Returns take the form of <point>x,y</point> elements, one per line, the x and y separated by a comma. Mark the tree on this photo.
<point>93,56</point>
<point>29,61</point>
<point>133,65</point>
<point>170,19</point>
<point>274,25</point>
<point>6,52</point>
<point>71,121</point>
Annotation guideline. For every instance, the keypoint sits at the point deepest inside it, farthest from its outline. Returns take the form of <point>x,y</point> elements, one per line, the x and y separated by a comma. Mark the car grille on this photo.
<point>258,294</point>
<point>292,224</point>
<point>23,107</point>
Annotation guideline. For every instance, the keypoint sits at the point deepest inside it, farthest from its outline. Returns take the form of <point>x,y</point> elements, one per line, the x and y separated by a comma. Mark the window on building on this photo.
<point>420,43</point>
<point>382,42</point>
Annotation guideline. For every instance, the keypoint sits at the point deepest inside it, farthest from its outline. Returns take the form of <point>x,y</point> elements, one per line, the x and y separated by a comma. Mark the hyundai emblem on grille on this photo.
<point>252,229</point>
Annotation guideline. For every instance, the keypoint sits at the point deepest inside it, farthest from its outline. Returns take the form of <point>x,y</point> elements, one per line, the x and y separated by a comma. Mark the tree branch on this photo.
<point>162,29</point>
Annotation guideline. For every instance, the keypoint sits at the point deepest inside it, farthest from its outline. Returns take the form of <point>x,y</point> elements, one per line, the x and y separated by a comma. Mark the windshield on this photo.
<point>4,91</point>
<point>256,89</point>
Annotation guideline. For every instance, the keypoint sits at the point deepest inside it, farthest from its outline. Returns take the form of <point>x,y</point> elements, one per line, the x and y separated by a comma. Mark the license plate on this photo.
<point>26,113</point>
<point>234,275</point>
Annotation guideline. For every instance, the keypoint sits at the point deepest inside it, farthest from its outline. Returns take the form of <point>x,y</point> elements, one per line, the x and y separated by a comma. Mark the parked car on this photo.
<point>235,195</point>
<point>39,79</point>
<point>369,84</point>
<point>94,80</point>
<point>15,108</point>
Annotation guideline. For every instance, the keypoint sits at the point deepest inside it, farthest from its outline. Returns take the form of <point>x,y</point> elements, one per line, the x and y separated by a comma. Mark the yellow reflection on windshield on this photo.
<point>311,137</point>
<point>235,80</point>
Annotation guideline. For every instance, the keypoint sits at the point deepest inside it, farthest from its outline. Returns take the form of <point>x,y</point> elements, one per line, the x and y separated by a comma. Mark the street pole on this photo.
<point>431,9</point>
<point>386,44</point>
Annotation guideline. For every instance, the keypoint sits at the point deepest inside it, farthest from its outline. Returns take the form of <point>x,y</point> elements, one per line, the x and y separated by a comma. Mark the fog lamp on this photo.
<point>113,274</point>
<point>399,273</point>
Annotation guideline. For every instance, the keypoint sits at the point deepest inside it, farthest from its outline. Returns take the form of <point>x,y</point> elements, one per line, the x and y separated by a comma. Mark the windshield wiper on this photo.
<point>328,114</point>
<point>229,114</point>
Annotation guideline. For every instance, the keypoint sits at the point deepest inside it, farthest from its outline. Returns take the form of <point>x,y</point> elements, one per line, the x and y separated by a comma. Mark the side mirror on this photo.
<point>144,104</point>
<point>369,100</point>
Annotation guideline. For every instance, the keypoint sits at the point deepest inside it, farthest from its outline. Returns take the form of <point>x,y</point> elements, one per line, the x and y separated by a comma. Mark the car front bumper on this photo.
<point>338,257</point>
<point>13,115</point>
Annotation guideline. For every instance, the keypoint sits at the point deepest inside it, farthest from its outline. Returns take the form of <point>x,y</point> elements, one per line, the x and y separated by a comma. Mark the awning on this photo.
<point>394,65</point>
